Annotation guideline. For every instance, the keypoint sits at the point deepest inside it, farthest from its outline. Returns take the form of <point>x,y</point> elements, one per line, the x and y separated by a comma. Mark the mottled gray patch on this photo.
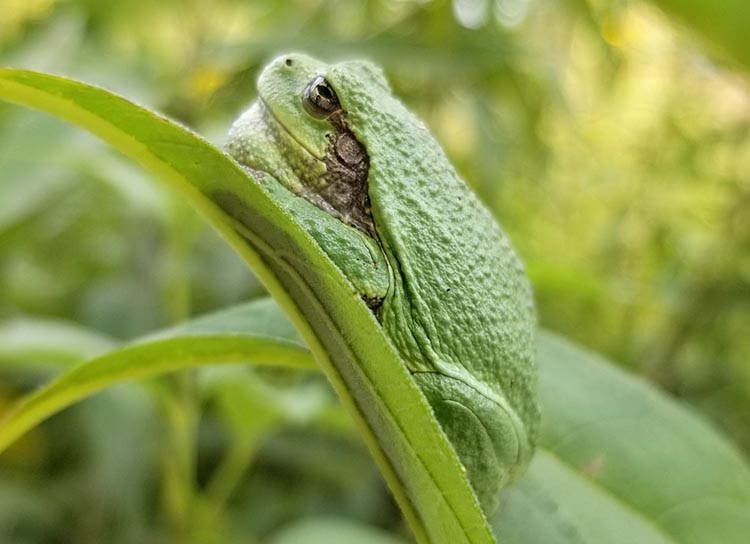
<point>345,183</point>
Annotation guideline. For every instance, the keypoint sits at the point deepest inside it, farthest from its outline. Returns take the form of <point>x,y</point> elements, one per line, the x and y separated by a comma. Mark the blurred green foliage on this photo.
<point>613,147</point>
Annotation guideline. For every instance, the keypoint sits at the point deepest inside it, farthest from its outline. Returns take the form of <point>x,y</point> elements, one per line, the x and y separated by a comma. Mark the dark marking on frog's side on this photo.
<point>343,192</point>
<point>375,304</point>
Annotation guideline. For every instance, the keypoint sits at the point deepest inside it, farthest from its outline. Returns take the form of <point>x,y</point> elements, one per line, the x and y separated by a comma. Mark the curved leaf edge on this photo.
<point>144,360</point>
<point>419,465</point>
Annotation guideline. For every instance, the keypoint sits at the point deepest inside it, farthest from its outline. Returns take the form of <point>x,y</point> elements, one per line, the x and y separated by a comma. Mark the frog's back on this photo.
<point>460,304</point>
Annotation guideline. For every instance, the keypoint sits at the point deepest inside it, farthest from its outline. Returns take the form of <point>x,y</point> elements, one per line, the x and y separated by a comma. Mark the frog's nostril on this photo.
<point>289,61</point>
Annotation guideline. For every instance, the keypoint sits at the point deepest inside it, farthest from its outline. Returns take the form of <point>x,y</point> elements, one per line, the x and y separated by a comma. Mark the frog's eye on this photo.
<point>320,99</point>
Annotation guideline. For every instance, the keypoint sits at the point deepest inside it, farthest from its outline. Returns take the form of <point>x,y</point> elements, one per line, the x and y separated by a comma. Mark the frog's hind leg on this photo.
<point>484,435</point>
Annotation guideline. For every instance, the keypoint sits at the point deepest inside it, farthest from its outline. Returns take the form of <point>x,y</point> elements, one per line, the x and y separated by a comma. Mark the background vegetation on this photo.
<point>611,141</point>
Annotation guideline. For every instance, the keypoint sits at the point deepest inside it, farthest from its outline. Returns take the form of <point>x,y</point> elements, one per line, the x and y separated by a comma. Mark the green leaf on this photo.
<point>23,142</point>
<point>725,22</point>
<point>619,461</point>
<point>622,463</point>
<point>48,343</point>
<point>329,530</point>
<point>413,454</point>
<point>144,360</point>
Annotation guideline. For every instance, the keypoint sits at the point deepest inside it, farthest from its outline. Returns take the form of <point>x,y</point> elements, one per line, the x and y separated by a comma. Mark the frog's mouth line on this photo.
<point>267,111</point>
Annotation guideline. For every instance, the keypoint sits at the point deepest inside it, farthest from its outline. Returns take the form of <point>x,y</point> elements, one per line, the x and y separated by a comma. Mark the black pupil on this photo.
<point>319,99</point>
<point>325,92</point>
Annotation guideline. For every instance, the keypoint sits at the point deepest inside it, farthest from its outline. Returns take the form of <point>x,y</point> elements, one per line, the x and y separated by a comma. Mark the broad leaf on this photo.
<point>622,463</point>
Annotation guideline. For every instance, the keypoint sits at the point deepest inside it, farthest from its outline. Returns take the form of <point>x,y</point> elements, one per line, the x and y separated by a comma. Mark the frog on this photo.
<point>363,175</point>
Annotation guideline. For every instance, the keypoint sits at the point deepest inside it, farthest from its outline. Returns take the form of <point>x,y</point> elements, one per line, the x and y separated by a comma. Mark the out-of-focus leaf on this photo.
<point>36,342</point>
<point>21,199</point>
<point>26,514</point>
<point>259,317</point>
<point>149,358</point>
<point>621,463</point>
<point>725,22</point>
<point>126,463</point>
<point>329,530</point>
<point>29,187</point>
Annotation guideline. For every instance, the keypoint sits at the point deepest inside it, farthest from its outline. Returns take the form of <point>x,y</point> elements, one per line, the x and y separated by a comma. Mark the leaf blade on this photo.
<point>615,452</point>
<point>410,448</point>
<point>145,360</point>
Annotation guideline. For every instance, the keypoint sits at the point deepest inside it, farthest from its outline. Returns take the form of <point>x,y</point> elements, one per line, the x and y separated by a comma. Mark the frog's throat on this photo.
<point>337,182</point>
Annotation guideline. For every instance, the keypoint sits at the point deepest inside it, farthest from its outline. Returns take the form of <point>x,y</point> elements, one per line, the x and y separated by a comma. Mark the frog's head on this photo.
<point>309,98</point>
<point>285,87</point>
<point>298,132</point>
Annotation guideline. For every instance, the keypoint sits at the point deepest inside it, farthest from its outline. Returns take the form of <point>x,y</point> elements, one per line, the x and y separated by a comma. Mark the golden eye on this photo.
<point>320,99</point>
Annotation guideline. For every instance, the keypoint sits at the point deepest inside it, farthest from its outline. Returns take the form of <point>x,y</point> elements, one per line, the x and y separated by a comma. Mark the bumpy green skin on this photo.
<point>455,300</point>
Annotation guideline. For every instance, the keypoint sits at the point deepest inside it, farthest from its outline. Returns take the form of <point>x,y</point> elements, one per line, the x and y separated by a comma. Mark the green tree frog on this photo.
<point>375,190</point>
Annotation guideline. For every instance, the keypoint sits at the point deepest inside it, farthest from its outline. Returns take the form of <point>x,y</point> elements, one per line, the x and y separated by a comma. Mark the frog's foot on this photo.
<point>489,441</point>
